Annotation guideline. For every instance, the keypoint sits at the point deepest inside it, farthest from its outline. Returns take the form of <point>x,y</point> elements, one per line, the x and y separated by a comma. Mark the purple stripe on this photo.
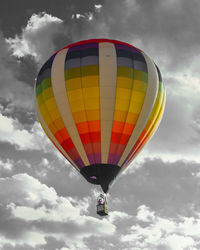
<point>84,46</point>
<point>97,157</point>
<point>111,159</point>
<point>91,158</point>
<point>94,158</point>
<point>73,63</point>
<point>124,165</point>
<point>117,158</point>
<point>124,47</point>
<point>140,65</point>
<point>124,62</point>
<point>79,162</point>
<point>77,63</point>
<point>89,60</point>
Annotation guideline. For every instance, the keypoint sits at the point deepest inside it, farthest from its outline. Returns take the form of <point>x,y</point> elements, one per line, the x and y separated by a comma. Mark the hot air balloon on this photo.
<point>99,101</point>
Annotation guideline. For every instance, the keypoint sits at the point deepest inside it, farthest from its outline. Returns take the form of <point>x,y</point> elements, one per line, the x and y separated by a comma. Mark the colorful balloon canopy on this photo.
<point>99,101</point>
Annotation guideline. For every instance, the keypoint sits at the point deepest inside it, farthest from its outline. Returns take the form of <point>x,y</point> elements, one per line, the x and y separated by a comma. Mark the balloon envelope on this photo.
<point>99,101</point>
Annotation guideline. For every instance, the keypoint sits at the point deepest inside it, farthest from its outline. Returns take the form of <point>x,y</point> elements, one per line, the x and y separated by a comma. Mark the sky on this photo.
<point>44,203</point>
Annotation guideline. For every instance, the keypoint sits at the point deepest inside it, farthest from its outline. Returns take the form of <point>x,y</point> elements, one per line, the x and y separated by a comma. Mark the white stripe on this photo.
<point>61,98</point>
<point>107,85</point>
<point>151,94</point>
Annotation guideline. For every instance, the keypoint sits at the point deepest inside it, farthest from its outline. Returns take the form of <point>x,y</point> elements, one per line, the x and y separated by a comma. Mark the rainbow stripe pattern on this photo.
<point>99,101</point>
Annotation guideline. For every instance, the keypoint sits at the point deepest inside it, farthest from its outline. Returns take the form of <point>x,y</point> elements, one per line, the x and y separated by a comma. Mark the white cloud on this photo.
<point>13,132</point>
<point>24,189</point>
<point>144,214</point>
<point>12,90</point>
<point>179,242</point>
<point>37,37</point>
<point>6,165</point>
<point>177,137</point>
<point>163,233</point>
<point>98,7</point>
<point>39,212</point>
<point>118,215</point>
<point>88,16</point>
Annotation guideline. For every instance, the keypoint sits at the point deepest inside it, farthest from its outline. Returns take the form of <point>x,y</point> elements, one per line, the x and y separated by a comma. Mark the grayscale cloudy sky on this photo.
<point>44,203</point>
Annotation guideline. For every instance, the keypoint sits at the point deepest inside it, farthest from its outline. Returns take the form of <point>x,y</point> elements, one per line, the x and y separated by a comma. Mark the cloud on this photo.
<point>118,215</point>
<point>13,91</point>
<point>170,188</point>
<point>13,132</point>
<point>97,7</point>
<point>37,37</point>
<point>162,233</point>
<point>178,135</point>
<point>155,204</point>
<point>144,214</point>
<point>87,16</point>
<point>38,212</point>
<point>6,165</point>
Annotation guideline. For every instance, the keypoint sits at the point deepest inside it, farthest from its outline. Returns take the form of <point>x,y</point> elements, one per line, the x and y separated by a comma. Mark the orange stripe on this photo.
<point>56,125</point>
<point>58,137</point>
<point>83,126</point>
<point>117,126</point>
<point>128,128</point>
<point>94,126</point>
<point>63,133</point>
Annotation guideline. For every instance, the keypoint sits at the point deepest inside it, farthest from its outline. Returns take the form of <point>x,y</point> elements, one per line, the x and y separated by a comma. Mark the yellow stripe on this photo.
<point>151,94</point>
<point>156,123</point>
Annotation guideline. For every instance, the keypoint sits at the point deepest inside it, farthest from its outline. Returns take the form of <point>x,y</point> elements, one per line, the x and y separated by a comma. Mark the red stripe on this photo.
<point>101,40</point>
<point>90,137</point>
<point>115,138</point>
<point>91,148</point>
<point>124,139</point>
<point>67,144</point>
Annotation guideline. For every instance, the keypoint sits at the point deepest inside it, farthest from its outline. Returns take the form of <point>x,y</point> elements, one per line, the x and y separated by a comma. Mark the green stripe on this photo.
<point>46,83</point>
<point>140,75</point>
<point>125,72</point>
<point>132,74</point>
<point>160,86</point>
<point>72,73</point>
<point>38,90</point>
<point>89,70</point>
